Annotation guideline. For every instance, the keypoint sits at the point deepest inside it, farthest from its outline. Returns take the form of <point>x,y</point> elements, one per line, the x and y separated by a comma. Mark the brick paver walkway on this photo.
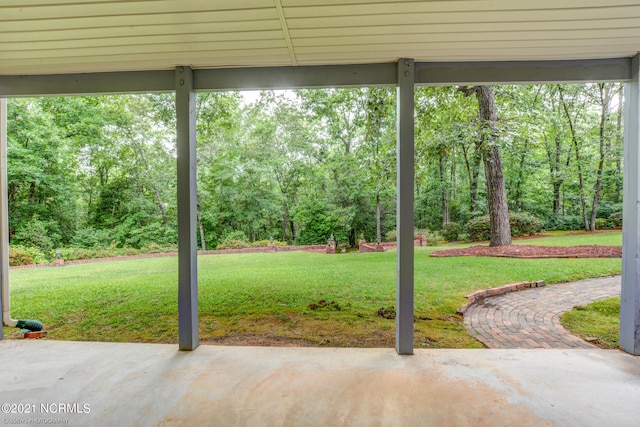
<point>531,318</point>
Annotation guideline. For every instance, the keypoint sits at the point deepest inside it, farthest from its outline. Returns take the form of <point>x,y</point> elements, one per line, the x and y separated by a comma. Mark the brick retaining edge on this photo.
<point>478,296</point>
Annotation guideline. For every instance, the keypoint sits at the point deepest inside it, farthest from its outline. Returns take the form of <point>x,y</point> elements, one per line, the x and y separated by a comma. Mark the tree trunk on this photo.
<point>285,220</point>
<point>378,220</point>
<point>554,171</point>
<point>576,147</point>
<point>443,193</point>
<point>473,172</point>
<point>604,104</point>
<point>518,191</point>
<point>618,149</point>
<point>293,231</point>
<point>496,192</point>
<point>203,243</point>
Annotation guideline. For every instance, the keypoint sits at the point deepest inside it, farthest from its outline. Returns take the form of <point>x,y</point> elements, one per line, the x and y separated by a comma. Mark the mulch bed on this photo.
<point>524,251</point>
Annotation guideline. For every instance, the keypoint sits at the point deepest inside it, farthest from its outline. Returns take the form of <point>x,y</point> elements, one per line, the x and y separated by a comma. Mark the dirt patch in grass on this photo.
<point>324,305</point>
<point>525,251</point>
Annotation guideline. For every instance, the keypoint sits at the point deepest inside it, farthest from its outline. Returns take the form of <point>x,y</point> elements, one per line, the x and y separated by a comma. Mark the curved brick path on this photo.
<point>531,318</point>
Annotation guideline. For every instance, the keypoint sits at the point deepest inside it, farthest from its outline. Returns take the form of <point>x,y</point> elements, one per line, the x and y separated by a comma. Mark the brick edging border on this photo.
<point>478,296</point>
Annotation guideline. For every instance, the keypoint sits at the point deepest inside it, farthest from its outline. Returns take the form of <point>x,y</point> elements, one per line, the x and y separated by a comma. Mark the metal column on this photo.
<point>189,337</point>
<point>405,226</point>
<point>630,300</point>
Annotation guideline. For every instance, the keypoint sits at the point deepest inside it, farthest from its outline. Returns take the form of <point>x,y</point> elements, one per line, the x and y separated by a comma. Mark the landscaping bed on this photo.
<point>525,251</point>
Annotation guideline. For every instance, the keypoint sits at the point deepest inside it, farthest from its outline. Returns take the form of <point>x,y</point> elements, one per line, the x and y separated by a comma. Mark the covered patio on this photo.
<point>52,47</point>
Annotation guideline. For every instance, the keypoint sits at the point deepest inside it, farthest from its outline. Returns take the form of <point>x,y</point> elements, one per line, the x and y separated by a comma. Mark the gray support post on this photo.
<point>187,193</point>
<point>405,171</point>
<point>630,299</point>
<point>4,215</point>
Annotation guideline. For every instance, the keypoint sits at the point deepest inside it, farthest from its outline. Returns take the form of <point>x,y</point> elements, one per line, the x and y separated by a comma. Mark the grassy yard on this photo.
<point>278,298</point>
<point>599,320</point>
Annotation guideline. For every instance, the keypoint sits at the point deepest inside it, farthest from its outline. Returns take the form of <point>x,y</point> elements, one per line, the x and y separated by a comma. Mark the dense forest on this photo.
<point>298,166</point>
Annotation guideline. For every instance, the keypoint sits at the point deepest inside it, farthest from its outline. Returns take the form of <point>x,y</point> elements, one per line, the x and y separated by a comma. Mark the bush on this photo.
<point>265,243</point>
<point>565,222</point>
<point>235,235</point>
<point>19,256</point>
<point>522,224</point>
<point>92,238</point>
<point>433,238</point>
<point>601,224</point>
<point>479,228</point>
<point>154,248</point>
<point>233,244</point>
<point>391,235</point>
<point>615,220</point>
<point>451,231</point>
<point>23,255</point>
<point>34,234</point>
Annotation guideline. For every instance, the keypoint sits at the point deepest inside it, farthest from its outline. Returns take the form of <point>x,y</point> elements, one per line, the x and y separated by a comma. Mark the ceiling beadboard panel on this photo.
<point>71,36</point>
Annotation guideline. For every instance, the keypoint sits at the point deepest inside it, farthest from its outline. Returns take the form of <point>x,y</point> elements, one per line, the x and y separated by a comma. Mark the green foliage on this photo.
<point>93,172</point>
<point>479,228</point>
<point>265,243</point>
<point>522,224</point>
<point>235,235</point>
<point>34,234</point>
<point>602,224</point>
<point>317,221</point>
<point>232,244</point>
<point>23,255</point>
<point>234,240</point>
<point>451,231</point>
<point>154,233</point>
<point>79,253</point>
<point>565,222</point>
<point>614,221</point>
<point>390,236</point>
<point>433,238</point>
<point>91,237</point>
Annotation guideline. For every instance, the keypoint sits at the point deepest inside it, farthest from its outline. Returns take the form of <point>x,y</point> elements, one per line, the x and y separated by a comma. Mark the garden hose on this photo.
<point>31,325</point>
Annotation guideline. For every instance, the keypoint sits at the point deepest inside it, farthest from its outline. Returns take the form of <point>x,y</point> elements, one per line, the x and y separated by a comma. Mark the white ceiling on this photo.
<point>70,36</point>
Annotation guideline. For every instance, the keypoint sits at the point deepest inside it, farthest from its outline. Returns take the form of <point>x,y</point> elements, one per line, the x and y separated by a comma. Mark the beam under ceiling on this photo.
<point>427,74</point>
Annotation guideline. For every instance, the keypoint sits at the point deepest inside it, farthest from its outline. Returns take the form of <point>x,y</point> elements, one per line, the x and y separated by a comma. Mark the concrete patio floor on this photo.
<point>117,384</point>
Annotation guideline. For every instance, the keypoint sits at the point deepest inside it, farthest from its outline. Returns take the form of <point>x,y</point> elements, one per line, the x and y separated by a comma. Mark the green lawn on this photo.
<point>266,298</point>
<point>599,320</point>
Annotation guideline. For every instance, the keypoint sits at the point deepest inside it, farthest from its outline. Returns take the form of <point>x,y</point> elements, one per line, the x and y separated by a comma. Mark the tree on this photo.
<point>488,145</point>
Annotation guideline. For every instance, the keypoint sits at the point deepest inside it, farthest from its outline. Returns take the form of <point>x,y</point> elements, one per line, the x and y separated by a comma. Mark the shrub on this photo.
<point>602,224</point>
<point>233,244</point>
<point>565,222</point>
<point>522,224</point>
<point>34,234</point>
<point>615,220</point>
<point>479,228</point>
<point>433,238</point>
<point>451,231</point>
<point>91,238</point>
<point>235,235</point>
<point>23,255</point>
<point>265,243</point>
<point>154,248</point>
<point>391,235</point>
